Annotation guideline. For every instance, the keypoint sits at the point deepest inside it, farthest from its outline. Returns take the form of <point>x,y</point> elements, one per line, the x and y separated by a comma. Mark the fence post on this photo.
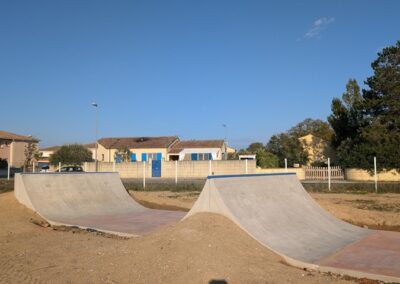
<point>209,167</point>
<point>85,166</point>
<point>113,166</point>
<point>33,167</point>
<point>329,174</point>
<point>285,165</point>
<point>245,162</point>
<point>59,167</point>
<point>8,170</point>
<point>144,174</point>
<point>176,172</point>
<point>375,176</point>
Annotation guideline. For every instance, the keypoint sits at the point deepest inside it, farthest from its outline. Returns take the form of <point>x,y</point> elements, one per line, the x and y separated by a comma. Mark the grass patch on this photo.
<point>6,185</point>
<point>353,188</point>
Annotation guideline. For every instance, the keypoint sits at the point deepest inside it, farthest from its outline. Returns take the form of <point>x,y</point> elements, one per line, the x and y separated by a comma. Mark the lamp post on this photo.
<point>94,104</point>
<point>225,139</point>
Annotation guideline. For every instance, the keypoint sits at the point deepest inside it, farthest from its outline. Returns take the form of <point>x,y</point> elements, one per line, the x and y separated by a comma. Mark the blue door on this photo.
<point>118,158</point>
<point>156,168</point>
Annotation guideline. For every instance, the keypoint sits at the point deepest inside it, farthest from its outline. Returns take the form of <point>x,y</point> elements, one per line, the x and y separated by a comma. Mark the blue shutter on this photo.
<point>133,157</point>
<point>144,157</point>
<point>209,156</point>
<point>159,156</point>
<point>194,157</point>
<point>118,158</point>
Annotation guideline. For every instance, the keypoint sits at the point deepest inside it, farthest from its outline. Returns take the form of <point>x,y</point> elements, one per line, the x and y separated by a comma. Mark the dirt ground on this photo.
<point>200,249</point>
<point>380,211</point>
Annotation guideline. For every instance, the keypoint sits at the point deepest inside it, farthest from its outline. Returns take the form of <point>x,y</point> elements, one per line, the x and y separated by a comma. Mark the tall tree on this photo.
<point>347,114</point>
<point>370,126</point>
<point>382,99</point>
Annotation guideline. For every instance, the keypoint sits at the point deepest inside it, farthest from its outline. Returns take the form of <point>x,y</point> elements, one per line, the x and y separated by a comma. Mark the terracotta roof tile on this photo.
<point>138,142</point>
<point>12,136</point>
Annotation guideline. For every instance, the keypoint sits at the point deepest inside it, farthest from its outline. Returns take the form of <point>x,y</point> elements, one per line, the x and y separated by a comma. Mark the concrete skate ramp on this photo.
<point>277,211</point>
<point>89,200</point>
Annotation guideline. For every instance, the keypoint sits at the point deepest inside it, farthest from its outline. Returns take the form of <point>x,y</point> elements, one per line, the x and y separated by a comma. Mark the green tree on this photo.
<point>266,159</point>
<point>316,127</point>
<point>72,154</point>
<point>347,114</point>
<point>254,147</point>
<point>287,146</point>
<point>370,126</point>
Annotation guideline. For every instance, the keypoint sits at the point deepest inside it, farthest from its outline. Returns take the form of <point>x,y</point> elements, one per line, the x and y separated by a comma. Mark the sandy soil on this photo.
<point>381,211</point>
<point>202,248</point>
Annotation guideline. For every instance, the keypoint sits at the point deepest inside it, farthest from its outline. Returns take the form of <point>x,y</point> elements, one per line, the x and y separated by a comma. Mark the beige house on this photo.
<point>141,148</point>
<point>198,150</point>
<point>12,147</point>
<point>317,148</point>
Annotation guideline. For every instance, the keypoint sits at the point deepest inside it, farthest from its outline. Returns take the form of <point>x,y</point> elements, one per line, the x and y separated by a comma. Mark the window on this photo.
<point>154,156</point>
<point>204,156</point>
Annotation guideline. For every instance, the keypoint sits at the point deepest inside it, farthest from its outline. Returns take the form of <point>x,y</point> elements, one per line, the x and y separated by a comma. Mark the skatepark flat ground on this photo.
<point>32,254</point>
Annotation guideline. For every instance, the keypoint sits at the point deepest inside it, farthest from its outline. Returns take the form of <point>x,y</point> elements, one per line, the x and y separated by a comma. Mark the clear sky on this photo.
<point>182,67</point>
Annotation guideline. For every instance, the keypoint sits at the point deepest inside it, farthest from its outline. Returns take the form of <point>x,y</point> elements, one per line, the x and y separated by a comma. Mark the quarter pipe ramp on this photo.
<point>89,200</point>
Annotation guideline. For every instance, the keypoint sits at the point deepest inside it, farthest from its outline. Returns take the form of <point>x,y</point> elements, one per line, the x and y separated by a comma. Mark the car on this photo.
<point>70,169</point>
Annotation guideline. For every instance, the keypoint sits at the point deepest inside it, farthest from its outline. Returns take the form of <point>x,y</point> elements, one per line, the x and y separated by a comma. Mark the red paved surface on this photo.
<point>377,253</point>
<point>136,223</point>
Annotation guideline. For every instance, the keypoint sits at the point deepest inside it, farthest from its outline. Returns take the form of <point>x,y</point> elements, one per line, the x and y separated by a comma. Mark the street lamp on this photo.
<point>94,104</point>
<point>225,128</point>
<point>225,139</point>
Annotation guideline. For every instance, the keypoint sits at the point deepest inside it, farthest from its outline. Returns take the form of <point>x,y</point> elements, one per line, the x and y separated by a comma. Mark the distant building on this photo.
<point>141,148</point>
<point>12,147</point>
<point>198,150</point>
<point>318,149</point>
<point>230,150</point>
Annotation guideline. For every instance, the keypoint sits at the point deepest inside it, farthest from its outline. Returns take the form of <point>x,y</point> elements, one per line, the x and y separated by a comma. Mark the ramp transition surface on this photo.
<point>277,211</point>
<point>89,200</point>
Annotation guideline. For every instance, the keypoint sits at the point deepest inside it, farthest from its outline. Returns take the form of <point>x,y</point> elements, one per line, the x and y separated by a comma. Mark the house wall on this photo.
<point>110,153</point>
<point>363,175</point>
<point>17,154</point>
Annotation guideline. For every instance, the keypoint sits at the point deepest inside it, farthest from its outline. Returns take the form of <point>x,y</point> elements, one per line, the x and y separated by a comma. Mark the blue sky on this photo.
<point>182,67</point>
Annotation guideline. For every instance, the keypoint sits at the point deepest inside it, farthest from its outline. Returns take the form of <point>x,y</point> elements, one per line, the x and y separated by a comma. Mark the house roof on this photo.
<point>52,148</point>
<point>138,142</point>
<point>191,144</point>
<point>5,135</point>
